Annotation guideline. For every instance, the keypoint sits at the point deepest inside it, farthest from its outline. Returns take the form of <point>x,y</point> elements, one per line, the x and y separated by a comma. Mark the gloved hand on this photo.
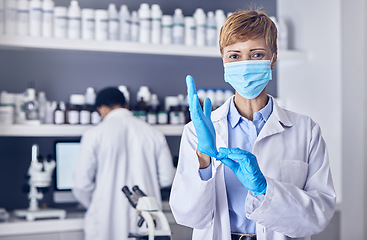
<point>203,125</point>
<point>244,165</point>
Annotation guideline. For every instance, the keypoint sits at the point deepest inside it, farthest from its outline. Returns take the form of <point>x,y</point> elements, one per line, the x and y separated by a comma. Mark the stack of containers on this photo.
<point>148,24</point>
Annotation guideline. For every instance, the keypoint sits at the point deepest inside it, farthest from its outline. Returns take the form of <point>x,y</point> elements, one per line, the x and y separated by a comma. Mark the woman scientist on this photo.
<point>270,178</point>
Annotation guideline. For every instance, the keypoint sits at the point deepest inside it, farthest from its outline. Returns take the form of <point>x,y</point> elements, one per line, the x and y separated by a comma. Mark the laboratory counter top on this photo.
<point>72,223</point>
<point>18,226</point>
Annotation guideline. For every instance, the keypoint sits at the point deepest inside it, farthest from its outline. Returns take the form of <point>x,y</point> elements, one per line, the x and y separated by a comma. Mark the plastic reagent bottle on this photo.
<point>190,31</point>
<point>88,25</point>
<point>47,17</point>
<point>10,16</point>
<point>156,24</point>
<point>60,22</point>
<point>101,25</point>
<point>220,18</point>
<point>144,20</point>
<point>124,23</point>
<point>219,97</point>
<point>211,30</point>
<point>167,29</point>
<point>282,34</point>
<point>42,101</point>
<point>178,27</point>
<point>200,19</point>
<point>113,22</point>
<point>35,18</point>
<point>74,20</point>
<point>134,26</point>
<point>126,93</point>
<point>22,17</point>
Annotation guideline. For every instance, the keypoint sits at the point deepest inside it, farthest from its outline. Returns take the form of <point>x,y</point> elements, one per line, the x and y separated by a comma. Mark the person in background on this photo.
<point>121,150</point>
<point>270,178</point>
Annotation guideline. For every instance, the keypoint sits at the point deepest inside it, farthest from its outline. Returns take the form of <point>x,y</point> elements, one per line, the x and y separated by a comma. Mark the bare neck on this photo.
<point>247,107</point>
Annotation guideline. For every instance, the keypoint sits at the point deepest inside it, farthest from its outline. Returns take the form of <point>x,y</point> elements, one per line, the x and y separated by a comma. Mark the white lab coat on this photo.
<point>121,150</point>
<point>300,197</point>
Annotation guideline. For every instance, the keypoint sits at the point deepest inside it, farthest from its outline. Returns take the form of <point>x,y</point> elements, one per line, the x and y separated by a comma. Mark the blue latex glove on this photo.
<point>244,165</point>
<point>203,125</point>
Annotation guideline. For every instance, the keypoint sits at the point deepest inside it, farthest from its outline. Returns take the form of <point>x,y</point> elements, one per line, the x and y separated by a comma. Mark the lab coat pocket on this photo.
<point>294,172</point>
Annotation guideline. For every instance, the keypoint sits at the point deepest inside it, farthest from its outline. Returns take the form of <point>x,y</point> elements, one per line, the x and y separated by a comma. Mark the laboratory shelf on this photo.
<point>50,130</point>
<point>15,42</point>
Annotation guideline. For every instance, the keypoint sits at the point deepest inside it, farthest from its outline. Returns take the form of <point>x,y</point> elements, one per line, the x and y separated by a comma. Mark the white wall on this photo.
<point>331,88</point>
<point>354,62</point>
<point>313,87</point>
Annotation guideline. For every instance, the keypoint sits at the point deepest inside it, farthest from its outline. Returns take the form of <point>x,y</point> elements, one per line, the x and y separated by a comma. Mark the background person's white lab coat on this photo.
<point>300,197</point>
<point>121,150</point>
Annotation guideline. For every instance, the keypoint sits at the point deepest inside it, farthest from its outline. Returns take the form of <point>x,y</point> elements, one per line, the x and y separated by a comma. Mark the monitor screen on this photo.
<point>66,154</point>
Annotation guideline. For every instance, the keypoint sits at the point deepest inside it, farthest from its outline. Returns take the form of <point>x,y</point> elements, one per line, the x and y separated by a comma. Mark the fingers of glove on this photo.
<point>238,157</point>
<point>231,164</point>
<point>224,151</point>
<point>207,107</point>
<point>191,88</point>
<point>221,156</point>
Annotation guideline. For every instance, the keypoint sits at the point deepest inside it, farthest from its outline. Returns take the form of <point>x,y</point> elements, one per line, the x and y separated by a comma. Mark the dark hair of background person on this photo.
<point>110,97</point>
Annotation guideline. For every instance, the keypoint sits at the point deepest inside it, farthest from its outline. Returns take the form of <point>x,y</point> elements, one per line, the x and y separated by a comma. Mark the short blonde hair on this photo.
<point>248,25</point>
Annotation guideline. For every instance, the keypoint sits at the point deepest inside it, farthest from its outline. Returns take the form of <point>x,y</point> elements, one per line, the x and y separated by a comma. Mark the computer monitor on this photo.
<point>66,153</point>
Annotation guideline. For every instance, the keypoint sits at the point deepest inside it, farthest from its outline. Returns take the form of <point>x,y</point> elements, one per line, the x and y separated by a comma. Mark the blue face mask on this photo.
<point>249,77</point>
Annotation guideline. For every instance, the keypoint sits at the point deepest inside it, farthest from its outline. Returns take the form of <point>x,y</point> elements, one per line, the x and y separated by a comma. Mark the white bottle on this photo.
<point>126,93</point>
<point>156,24</point>
<point>167,25</point>
<point>35,18</point>
<point>190,31</point>
<point>22,17</point>
<point>74,20</point>
<point>282,34</point>
<point>124,23</point>
<point>219,97</point>
<point>144,21</point>
<point>60,22</point>
<point>220,18</point>
<point>42,101</point>
<point>134,26</point>
<point>50,109</point>
<point>88,24</point>
<point>10,17</point>
<point>113,23</point>
<point>201,94</point>
<point>178,27</point>
<point>144,94</point>
<point>227,94</point>
<point>47,17</point>
<point>200,19</point>
<point>211,30</point>
<point>101,25</point>
<point>2,17</point>
<point>90,96</point>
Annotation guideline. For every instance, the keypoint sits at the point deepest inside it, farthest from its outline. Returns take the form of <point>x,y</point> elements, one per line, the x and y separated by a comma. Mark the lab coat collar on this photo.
<point>275,123</point>
<point>116,112</point>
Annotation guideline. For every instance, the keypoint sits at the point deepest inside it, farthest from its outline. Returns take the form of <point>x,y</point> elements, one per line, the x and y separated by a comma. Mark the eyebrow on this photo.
<point>233,51</point>
<point>254,49</point>
<point>251,50</point>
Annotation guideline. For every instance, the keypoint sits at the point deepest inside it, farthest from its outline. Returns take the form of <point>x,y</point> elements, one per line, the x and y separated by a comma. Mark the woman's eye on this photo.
<point>257,55</point>
<point>233,56</point>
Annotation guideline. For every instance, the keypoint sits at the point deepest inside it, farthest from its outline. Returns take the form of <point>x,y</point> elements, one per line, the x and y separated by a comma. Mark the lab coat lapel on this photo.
<point>219,118</point>
<point>276,122</point>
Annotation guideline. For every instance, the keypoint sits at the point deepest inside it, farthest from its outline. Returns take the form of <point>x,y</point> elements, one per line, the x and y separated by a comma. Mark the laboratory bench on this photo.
<point>70,228</point>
